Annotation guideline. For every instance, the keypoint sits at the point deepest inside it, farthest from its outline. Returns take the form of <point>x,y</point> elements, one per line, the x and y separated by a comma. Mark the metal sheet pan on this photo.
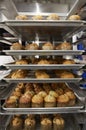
<point>43,52</point>
<point>44,66</point>
<point>77,106</point>
<point>47,80</point>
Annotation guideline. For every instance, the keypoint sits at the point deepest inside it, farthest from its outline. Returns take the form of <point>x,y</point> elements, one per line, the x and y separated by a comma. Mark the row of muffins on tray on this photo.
<point>50,17</point>
<point>46,46</point>
<point>41,95</point>
<point>30,122</point>
<point>41,74</point>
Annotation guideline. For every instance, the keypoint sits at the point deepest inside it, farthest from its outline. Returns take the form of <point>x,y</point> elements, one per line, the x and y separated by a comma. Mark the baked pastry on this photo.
<point>16,93</point>
<point>49,101</point>
<point>20,87</point>
<point>46,87</point>
<point>37,101</point>
<point>62,100</point>
<point>37,87</point>
<point>59,91</point>
<point>29,124</point>
<point>16,46</point>
<point>72,98</point>
<point>24,101</point>
<point>21,62</point>
<point>21,17</point>
<point>19,74</point>
<point>53,17</point>
<point>28,86</point>
<point>68,62</point>
<point>42,94</point>
<point>43,62</point>
<point>29,93</point>
<point>64,46</point>
<point>67,75</point>
<point>32,46</point>
<point>16,123</point>
<point>41,75</point>
<point>11,102</point>
<point>53,93</point>
<point>46,124</point>
<point>48,46</point>
<point>37,17</point>
<point>58,123</point>
<point>74,17</point>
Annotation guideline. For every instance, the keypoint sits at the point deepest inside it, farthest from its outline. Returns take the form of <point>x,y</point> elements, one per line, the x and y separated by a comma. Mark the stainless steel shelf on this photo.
<point>57,29</point>
<point>48,80</point>
<point>44,66</point>
<point>43,52</point>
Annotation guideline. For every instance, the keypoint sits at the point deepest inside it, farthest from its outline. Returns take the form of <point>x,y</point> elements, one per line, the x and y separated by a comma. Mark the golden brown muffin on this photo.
<point>21,17</point>
<point>62,100</point>
<point>29,124</point>
<point>41,75</point>
<point>16,46</point>
<point>53,17</point>
<point>42,94</point>
<point>48,46</point>
<point>49,101</point>
<point>32,46</point>
<point>16,93</point>
<point>37,17</point>
<point>19,74</point>
<point>53,93</point>
<point>46,124</point>
<point>28,86</point>
<point>37,101</point>
<point>59,91</point>
<point>16,123</point>
<point>29,93</point>
<point>68,62</point>
<point>64,46</point>
<point>72,98</point>
<point>21,62</point>
<point>11,102</point>
<point>43,62</point>
<point>24,101</point>
<point>74,17</point>
<point>58,123</point>
<point>67,75</point>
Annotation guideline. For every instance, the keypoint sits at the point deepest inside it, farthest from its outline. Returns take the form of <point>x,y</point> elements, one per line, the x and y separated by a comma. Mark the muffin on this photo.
<point>53,17</point>
<point>67,75</point>
<point>16,46</point>
<point>62,100</point>
<point>53,93</point>
<point>28,86</point>
<point>43,62</point>
<point>16,123</point>
<point>11,102</point>
<point>49,101</point>
<point>64,46</point>
<point>58,123</point>
<point>37,87</point>
<point>37,17</point>
<point>74,17</point>
<point>46,124</point>
<point>29,93</point>
<point>68,62</point>
<point>21,17</point>
<point>46,87</point>
<point>37,101</point>
<point>72,98</point>
<point>16,93</point>
<point>29,124</point>
<point>41,75</point>
<point>19,74</point>
<point>32,46</point>
<point>25,101</point>
<point>59,91</point>
<point>42,94</point>
<point>48,46</point>
<point>21,62</point>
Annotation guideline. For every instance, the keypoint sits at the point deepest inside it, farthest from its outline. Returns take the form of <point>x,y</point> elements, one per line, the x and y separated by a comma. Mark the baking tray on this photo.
<point>44,22</point>
<point>47,80</point>
<point>44,66</point>
<point>43,52</point>
<point>70,122</point>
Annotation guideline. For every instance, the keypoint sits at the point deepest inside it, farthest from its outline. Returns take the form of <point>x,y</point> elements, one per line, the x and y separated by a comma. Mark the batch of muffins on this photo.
<point>45,122</point>
<point>27,95</point>
<point>50,17</point>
